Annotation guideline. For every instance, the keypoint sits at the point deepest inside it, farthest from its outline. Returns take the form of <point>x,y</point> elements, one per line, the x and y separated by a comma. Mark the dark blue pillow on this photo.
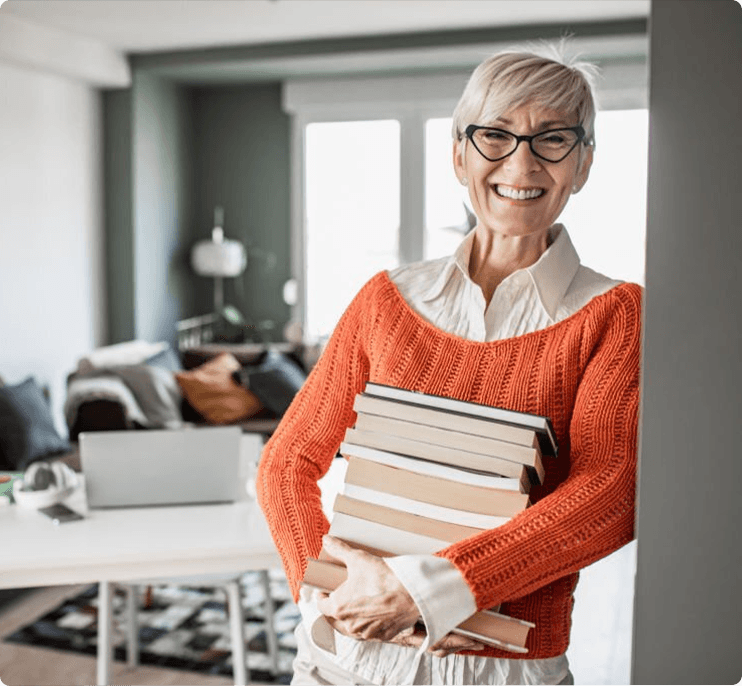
<point>166,359</point>
<point>27,431</point>
<point>276,380</point>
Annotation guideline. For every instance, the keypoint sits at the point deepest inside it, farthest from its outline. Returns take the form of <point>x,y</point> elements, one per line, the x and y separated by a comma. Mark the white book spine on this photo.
<point>445,514</point>
<point>382,537</point>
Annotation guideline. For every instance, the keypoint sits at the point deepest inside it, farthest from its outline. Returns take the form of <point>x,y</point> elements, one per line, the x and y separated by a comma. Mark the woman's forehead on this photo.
<point>532,114</point>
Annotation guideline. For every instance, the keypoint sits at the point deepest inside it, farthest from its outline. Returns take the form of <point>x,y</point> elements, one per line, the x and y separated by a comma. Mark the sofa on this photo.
<point>139,385</point>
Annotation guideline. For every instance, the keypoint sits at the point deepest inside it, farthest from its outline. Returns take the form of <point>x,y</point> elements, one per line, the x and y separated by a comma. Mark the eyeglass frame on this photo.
<point>472,128</point>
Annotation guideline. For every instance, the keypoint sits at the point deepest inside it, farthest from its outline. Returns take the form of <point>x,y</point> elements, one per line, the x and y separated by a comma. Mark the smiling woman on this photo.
<point>511,319</point>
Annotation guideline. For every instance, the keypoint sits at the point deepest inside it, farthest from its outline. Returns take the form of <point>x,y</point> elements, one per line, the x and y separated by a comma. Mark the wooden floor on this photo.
<point>599,651</point>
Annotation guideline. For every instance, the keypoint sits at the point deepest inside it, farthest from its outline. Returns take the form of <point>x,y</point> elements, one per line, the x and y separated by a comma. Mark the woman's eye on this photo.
<point>554,139</point>
<point>495,136</point>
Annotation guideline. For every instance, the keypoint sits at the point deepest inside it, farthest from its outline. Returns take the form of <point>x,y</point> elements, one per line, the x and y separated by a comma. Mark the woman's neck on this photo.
<point>495,256</point>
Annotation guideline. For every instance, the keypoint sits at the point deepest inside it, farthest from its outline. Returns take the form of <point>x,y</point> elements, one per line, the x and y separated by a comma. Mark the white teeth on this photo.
<point>513,194</point>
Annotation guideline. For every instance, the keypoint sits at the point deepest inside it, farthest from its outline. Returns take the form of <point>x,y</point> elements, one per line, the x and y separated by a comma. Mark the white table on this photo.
<point>126,545</point>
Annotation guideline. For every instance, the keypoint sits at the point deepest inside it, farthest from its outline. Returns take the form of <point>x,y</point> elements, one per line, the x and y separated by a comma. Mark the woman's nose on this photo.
<point>523,158</point>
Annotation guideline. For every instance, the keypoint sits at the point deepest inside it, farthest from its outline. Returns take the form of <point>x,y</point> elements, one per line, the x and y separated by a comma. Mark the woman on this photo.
<point>513,320</point>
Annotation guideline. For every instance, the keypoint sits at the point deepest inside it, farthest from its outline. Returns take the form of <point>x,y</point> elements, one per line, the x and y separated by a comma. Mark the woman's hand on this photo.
<point>371,604</point>
<point>451,643</point>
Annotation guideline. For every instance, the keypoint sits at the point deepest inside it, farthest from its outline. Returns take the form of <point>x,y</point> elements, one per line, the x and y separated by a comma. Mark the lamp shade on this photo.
<point>219,256</point>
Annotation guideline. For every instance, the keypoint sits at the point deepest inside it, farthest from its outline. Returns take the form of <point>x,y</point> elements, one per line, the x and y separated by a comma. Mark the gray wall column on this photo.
<point>688,593</point>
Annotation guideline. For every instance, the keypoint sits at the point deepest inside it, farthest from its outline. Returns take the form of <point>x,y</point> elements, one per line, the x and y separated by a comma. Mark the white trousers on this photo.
<point>312,667</point>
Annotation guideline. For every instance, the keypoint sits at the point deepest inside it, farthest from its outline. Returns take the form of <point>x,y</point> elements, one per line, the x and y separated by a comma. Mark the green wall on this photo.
<point>241,153</point>
<point>118,204</point>
<point>148,143</point>
<point>162,182</point>
<point>172,153</point>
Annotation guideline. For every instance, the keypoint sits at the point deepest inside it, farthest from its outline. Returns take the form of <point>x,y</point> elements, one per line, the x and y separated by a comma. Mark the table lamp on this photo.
<point>219,258</point>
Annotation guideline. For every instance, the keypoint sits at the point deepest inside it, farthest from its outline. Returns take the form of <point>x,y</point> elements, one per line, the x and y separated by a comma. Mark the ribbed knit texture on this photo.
<point>582,372</point>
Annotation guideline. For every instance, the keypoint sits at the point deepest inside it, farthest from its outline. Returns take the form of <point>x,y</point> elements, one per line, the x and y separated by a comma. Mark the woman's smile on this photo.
<point>518,193</point>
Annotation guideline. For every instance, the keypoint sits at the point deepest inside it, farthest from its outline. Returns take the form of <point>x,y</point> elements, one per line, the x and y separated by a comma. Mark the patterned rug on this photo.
<point>180,628</point>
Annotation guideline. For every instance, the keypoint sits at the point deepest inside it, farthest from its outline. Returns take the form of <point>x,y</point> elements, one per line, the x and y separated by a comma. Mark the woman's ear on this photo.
<point>583,171</point>
<point>459,149</point>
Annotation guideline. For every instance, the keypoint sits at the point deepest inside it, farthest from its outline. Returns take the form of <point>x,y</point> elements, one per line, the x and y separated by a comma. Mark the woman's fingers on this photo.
<point>338,549</point>
<point>410,638</point>
<point>452,643</point>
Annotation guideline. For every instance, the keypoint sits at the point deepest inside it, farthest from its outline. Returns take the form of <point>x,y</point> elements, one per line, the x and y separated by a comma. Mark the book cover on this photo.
<point>371,535</point>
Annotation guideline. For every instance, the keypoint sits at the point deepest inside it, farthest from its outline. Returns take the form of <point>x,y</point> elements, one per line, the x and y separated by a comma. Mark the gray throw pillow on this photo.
<point>276,380</point>
<point>157,393</point>
<point>27,431</point>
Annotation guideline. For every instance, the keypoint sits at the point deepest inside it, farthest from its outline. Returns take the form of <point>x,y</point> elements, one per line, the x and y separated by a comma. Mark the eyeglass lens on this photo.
<point>551,145</point>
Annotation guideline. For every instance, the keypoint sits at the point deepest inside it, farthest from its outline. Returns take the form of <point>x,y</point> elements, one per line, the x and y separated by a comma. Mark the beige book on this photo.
<point>424,526</point>
<point>500,415</point>
<point>430,467</point>
<point>372,536</point>
<point>430,416</point>
<point>469,461</point>
<point>416,507</point>
<point>434,490</point>
<point>490,463</point>
<point>458,440</point>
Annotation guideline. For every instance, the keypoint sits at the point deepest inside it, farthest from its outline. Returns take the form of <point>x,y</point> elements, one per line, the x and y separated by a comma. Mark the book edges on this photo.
<point>355,445</point>
<point>433,490</point>
<point>405,521</point>
<point>540,424</point>
<point>487,463</point>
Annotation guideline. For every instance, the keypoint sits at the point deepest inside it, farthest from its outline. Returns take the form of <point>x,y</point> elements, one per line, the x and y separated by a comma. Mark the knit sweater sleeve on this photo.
<point>303,446</point>
<point>591,513</point>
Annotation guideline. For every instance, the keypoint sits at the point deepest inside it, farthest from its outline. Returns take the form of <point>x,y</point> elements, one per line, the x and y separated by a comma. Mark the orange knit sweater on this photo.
<point>582,372</point>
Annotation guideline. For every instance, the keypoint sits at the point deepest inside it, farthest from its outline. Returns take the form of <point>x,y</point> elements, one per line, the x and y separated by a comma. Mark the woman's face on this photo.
<point>490,183</point>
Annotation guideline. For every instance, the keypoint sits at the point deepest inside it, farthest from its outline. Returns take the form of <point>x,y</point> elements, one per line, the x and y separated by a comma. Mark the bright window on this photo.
<point>352,213</point>
<point>445,197</point>
<point>607,219</point>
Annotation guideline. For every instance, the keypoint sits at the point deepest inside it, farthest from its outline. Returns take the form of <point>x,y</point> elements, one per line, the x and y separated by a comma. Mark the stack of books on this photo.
<point>426,471</point>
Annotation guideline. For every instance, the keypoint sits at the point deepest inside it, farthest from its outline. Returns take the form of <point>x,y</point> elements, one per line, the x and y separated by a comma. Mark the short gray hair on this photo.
<point>543,77</point>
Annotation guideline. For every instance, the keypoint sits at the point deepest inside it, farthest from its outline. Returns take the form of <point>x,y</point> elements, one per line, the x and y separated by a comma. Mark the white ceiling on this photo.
<point>160,25</point>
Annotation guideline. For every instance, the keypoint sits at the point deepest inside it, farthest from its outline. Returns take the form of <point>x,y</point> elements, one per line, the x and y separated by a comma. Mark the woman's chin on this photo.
<point>516,228</point>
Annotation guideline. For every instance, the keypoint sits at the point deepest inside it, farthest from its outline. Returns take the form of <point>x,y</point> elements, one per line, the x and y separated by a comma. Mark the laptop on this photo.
<point>161,467</point>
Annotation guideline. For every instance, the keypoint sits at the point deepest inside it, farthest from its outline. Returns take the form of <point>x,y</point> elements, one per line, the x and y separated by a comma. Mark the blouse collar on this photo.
<point>551,274</point>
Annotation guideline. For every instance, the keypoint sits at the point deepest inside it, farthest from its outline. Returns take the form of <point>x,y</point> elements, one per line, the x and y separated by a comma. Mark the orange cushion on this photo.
<point>213,393</point>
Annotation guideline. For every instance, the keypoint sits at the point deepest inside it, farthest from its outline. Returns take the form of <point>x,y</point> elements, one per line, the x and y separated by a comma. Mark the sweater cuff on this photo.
<point>438,589</point>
